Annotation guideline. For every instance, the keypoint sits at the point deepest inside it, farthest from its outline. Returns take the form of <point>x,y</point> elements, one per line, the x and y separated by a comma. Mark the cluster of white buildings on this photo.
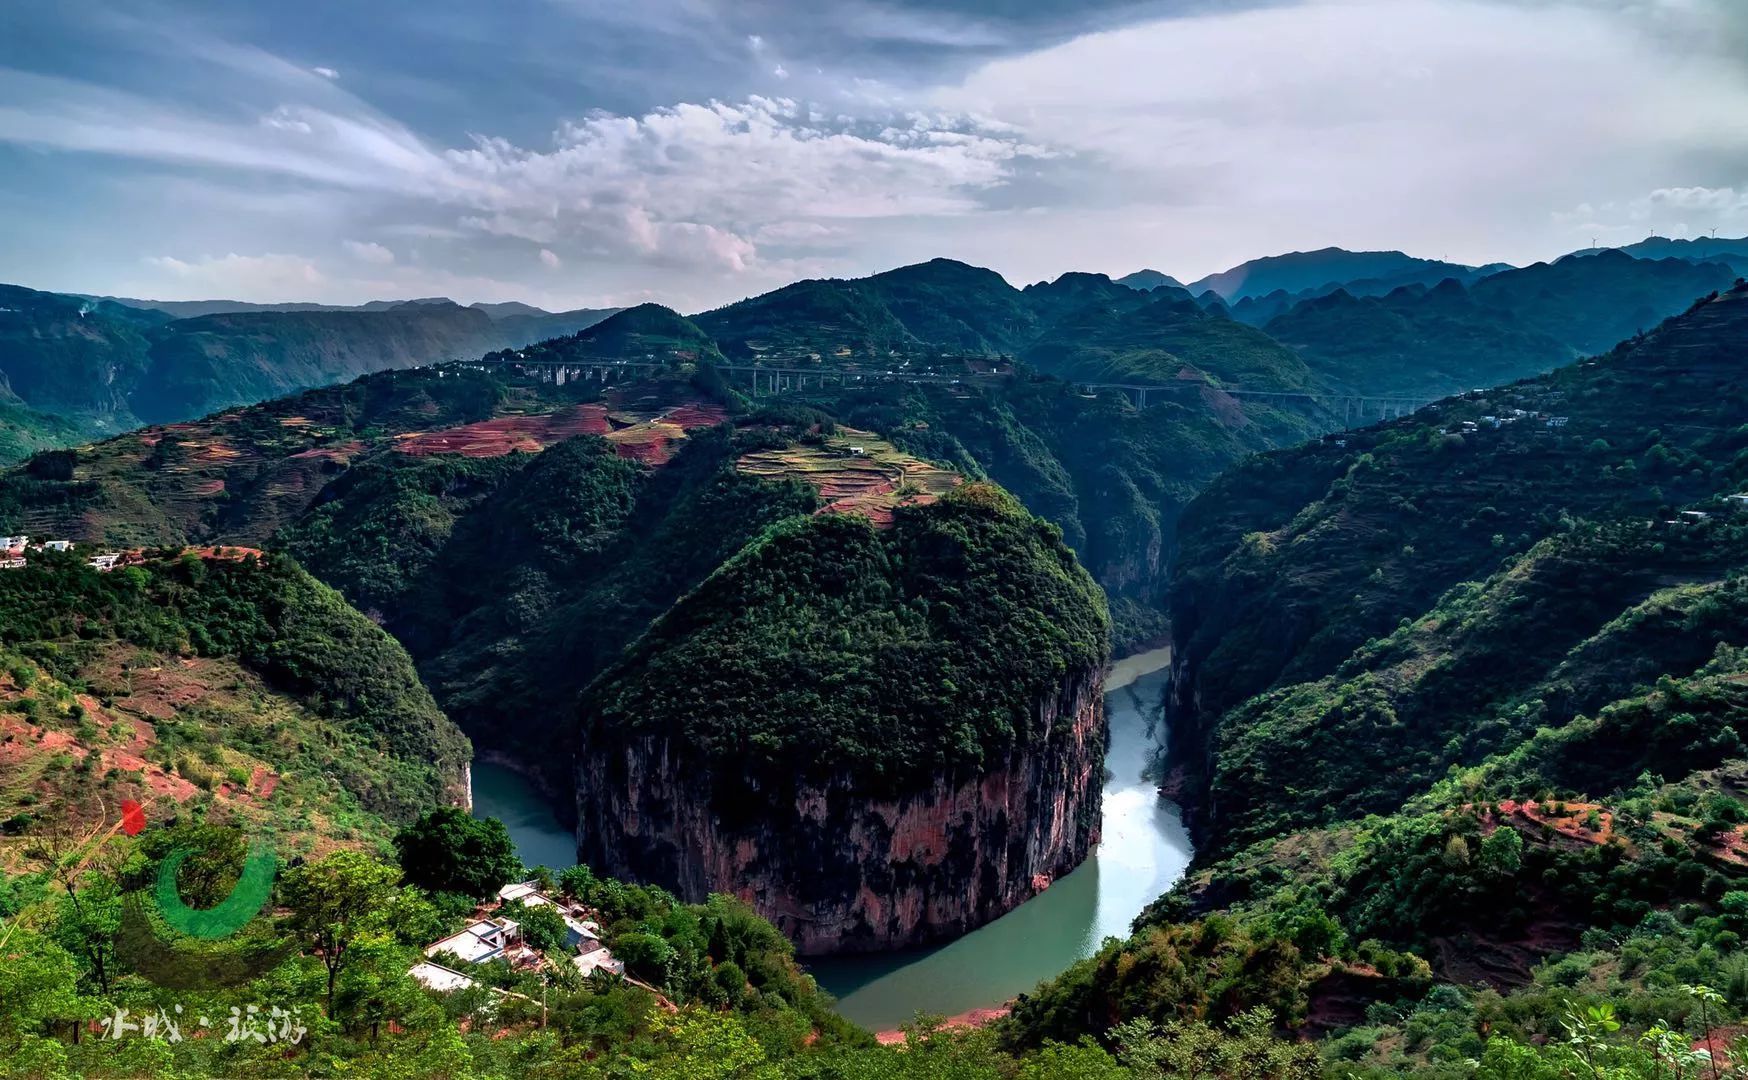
<point>499,937</point>
<point>13,549</point>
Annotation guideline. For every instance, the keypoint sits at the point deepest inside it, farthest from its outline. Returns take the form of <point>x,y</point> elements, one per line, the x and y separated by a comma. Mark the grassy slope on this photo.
<point>186,676</point>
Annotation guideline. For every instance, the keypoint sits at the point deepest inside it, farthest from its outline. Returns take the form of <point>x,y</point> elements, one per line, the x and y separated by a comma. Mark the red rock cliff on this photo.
<point>840,870</point>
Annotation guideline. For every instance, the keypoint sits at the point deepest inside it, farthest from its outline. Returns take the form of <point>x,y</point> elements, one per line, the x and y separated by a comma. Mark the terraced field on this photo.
<point>856,472</point>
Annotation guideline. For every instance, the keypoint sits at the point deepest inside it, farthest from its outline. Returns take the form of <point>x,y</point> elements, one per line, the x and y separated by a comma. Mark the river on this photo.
<point>1143,850</point>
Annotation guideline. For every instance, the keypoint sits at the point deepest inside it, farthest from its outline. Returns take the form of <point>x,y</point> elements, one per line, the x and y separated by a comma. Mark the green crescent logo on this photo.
<point>229,915</point>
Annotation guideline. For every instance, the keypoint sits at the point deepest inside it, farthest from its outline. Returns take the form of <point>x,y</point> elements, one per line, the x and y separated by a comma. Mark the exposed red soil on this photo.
<point>1732,846</point>
<point>1718,1042</point>
<point>971,1018</point>
<point>336,452</point>
<point>696,415</point>
<point>1571,824</point>
<point>640,437</point>
<point>495,438</point>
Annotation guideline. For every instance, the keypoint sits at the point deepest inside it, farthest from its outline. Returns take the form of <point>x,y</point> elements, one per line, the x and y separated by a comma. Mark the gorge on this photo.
<point>1142,851</point>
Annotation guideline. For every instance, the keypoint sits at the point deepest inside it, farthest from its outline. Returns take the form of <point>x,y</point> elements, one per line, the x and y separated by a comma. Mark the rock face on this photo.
<point>840,869</point>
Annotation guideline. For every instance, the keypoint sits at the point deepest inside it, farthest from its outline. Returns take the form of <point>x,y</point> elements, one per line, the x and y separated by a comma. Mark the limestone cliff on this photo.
<point>839,868</point>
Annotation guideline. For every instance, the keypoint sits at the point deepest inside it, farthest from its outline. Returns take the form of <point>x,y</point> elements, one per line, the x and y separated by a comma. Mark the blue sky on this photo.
<point>572,153</point>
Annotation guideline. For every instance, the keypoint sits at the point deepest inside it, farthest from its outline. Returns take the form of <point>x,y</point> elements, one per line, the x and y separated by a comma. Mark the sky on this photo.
<point>572,153</point>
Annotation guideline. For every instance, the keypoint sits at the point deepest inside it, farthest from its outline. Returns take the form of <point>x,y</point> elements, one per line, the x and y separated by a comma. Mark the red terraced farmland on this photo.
<point>856,473</point>
<point>495,438</point>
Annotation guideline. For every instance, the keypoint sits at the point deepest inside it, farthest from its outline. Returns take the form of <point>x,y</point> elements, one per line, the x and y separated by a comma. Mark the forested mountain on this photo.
<point>1299,271</point>
<point>1167,337</point>
<point>1454,696</point>
<point>1731,252</point>
<point>101,366</point>
<point>941,303</point>
<point>522,322</point>
<point>1424,342</point>
<point>1148,280</point>
<point>221,683</point>
<point>1415,342</point>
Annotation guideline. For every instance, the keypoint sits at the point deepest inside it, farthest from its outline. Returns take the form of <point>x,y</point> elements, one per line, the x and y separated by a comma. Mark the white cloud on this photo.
<point>369,252</point>
<point>549,260</point>
<point>1721,200</point>
<point>1450,125</point>
<point>1447,127</point>
<point>242,276</point>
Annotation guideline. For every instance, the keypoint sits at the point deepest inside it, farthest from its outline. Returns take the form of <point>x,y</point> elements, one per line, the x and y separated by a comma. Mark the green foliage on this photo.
<point>447,850</point>
<point>971,603</point>
<point>543,929</point>
<point>274,619</point>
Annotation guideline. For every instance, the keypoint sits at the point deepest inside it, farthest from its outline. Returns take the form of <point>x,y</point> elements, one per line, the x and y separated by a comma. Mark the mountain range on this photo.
<point>1457,710</point>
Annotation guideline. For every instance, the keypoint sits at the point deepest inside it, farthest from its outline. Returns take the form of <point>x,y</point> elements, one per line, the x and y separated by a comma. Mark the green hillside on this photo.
<point>970,602</point>
<point>1113,478</point>
<point>1461,724</point>
<point>1165,339</point>
<point>941,304</point>
<point>74,368</point>
<point>1415,343</point>
<point>224,685</point>
<point>197,366</point>
<point>1592,303</point>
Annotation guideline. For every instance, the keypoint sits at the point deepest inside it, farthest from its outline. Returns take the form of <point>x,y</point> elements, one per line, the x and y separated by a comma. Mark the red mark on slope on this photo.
<point>133,817</point>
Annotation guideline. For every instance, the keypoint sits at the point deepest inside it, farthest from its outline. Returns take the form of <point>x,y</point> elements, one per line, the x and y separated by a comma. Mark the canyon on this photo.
<point>840,869</point>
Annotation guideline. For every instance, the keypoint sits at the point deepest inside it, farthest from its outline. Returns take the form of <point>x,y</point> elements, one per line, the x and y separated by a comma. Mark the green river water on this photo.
<point>1143,850</point>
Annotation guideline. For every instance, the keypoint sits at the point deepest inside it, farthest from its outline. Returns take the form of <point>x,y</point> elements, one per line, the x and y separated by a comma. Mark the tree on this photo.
<point>646,956</point>
<point>337,901</point>
<point>543,928</point>
<point>448,850</point>
<point>576,881</point>
<point>1502,852</point>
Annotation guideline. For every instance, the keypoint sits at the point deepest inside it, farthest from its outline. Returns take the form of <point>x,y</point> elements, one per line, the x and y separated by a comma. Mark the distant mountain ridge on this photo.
<point>1298,271</point>
<point>98,365</point>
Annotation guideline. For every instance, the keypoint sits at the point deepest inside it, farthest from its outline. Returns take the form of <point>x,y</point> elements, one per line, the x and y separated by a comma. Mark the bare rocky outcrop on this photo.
<point>838,867</point>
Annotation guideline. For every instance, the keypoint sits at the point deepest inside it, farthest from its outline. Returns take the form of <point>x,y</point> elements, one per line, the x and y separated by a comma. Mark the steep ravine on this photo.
<point>842,870</point>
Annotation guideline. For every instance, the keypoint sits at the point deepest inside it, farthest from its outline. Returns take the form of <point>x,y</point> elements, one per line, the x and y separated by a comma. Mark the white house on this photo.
<point>57,545</point>
<point>13,543</point>
<point>438,977</point>
<point>105,562</point>
<point>481,941</point>
<point>1738,503</point>
<point>595,957</point>
<point>12,563</point>
<point>527,892</point>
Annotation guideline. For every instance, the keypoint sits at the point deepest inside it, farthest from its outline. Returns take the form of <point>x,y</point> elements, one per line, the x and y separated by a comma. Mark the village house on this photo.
<point>12,563</point>
<point>497,936</point>
<point>437,977</point>
<point>482,941</point>
<point>578,930</point>
<point>13,545</point>
<point>1694,517</point>
<point>105,562</point>
<point>56,545</point>
<point>1737,503</point>
<point>584,935</point>
<point>595,957</point>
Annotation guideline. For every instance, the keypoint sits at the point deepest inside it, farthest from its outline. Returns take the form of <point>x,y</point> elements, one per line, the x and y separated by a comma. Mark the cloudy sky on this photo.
<point>585,152</point>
